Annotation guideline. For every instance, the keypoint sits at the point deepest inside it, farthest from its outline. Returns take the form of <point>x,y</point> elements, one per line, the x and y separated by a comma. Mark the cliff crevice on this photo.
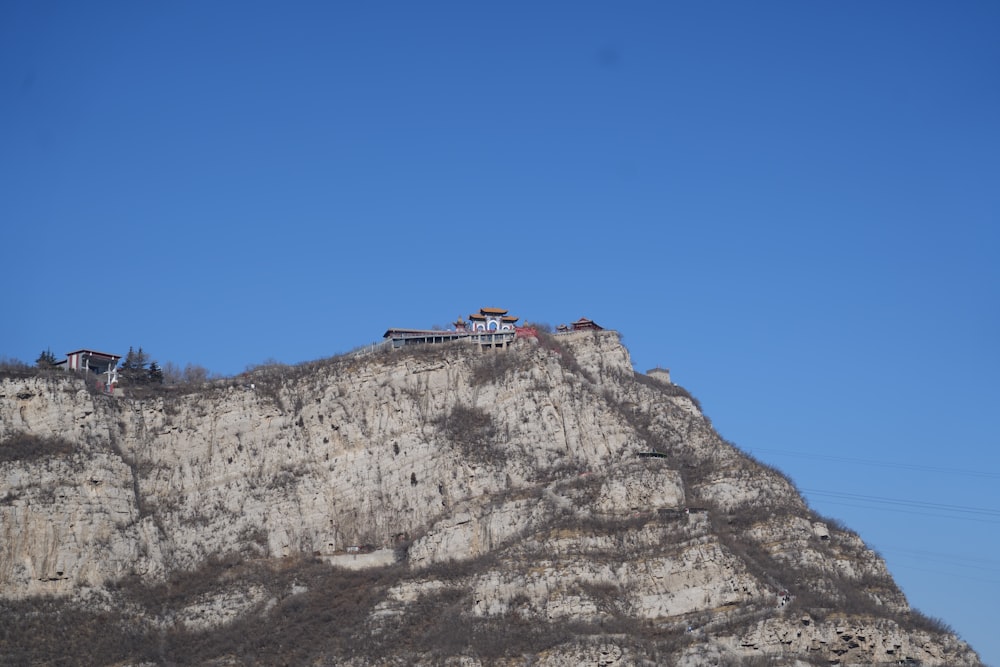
<point>542,501</point>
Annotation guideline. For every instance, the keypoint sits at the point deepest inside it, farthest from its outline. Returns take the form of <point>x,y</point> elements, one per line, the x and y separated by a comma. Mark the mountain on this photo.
<point>542,504</point>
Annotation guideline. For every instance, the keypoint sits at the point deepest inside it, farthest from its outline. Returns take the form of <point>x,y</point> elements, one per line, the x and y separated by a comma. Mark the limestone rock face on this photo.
<point>500,488</point>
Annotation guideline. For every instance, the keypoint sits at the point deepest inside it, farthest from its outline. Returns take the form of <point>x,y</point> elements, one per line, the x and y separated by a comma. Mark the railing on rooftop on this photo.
<point>436,337</point>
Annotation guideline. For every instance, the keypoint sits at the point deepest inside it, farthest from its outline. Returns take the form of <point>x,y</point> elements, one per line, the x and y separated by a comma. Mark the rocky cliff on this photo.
<point>543,504</point>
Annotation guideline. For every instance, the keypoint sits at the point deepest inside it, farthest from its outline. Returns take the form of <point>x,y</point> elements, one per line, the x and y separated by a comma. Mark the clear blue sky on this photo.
<point>792,205</point>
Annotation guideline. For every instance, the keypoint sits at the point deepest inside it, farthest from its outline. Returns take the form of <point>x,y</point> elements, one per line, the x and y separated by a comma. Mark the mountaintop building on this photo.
<point>89,360</point>
<point>491,319</point>
<point>582,324</point>
<point>489,328</point>
<point>92,361</point>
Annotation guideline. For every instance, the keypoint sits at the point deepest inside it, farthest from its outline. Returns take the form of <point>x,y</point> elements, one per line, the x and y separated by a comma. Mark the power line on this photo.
<point>936,555</point>
<point>947,574</point>
<point>882,464</point>
<point>943,556</point>
<point>962,509</point>
<point>955,563</point>
<point>903,511</point>
<point>944,561</point>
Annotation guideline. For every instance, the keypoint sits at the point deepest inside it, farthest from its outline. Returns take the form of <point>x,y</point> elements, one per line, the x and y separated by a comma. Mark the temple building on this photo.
<point>489,328</point>
<point>582,324</point>
<point>491,319</point>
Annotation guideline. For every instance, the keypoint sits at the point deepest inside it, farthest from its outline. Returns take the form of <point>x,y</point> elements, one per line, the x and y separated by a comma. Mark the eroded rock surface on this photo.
<point>506,488</point>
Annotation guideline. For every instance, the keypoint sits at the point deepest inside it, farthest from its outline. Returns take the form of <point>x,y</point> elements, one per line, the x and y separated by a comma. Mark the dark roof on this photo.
<point>94,353</point>
<point>584,323</point>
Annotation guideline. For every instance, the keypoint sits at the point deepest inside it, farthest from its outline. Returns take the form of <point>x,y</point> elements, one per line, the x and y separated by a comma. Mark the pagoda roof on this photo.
<point>584,323</point>
<point>493,311</point>
<point>479,317</point>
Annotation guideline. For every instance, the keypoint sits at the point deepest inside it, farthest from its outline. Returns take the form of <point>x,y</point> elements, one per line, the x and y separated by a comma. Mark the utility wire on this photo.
<point>897,510</point>
<point>942,507</point>
<point>954,562</point>
<point>941,561</point>
<point>942,556</point>
<point>882,464</point>
<point>947,574</point>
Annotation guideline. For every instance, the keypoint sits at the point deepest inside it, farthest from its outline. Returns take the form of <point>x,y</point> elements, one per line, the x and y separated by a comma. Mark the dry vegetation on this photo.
<point>26,447</point>
<point>472,431</point>
<point>328,617</point>
<point>316,614</point>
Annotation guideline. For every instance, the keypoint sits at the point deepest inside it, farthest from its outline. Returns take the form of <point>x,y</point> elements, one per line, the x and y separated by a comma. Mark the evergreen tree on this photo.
<point>155,373</point>
<point>46,359</point>
<point>133,369</point>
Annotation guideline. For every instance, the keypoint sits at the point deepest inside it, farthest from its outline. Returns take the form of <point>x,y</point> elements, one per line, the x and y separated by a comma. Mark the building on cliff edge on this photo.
<point>489,328</point>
